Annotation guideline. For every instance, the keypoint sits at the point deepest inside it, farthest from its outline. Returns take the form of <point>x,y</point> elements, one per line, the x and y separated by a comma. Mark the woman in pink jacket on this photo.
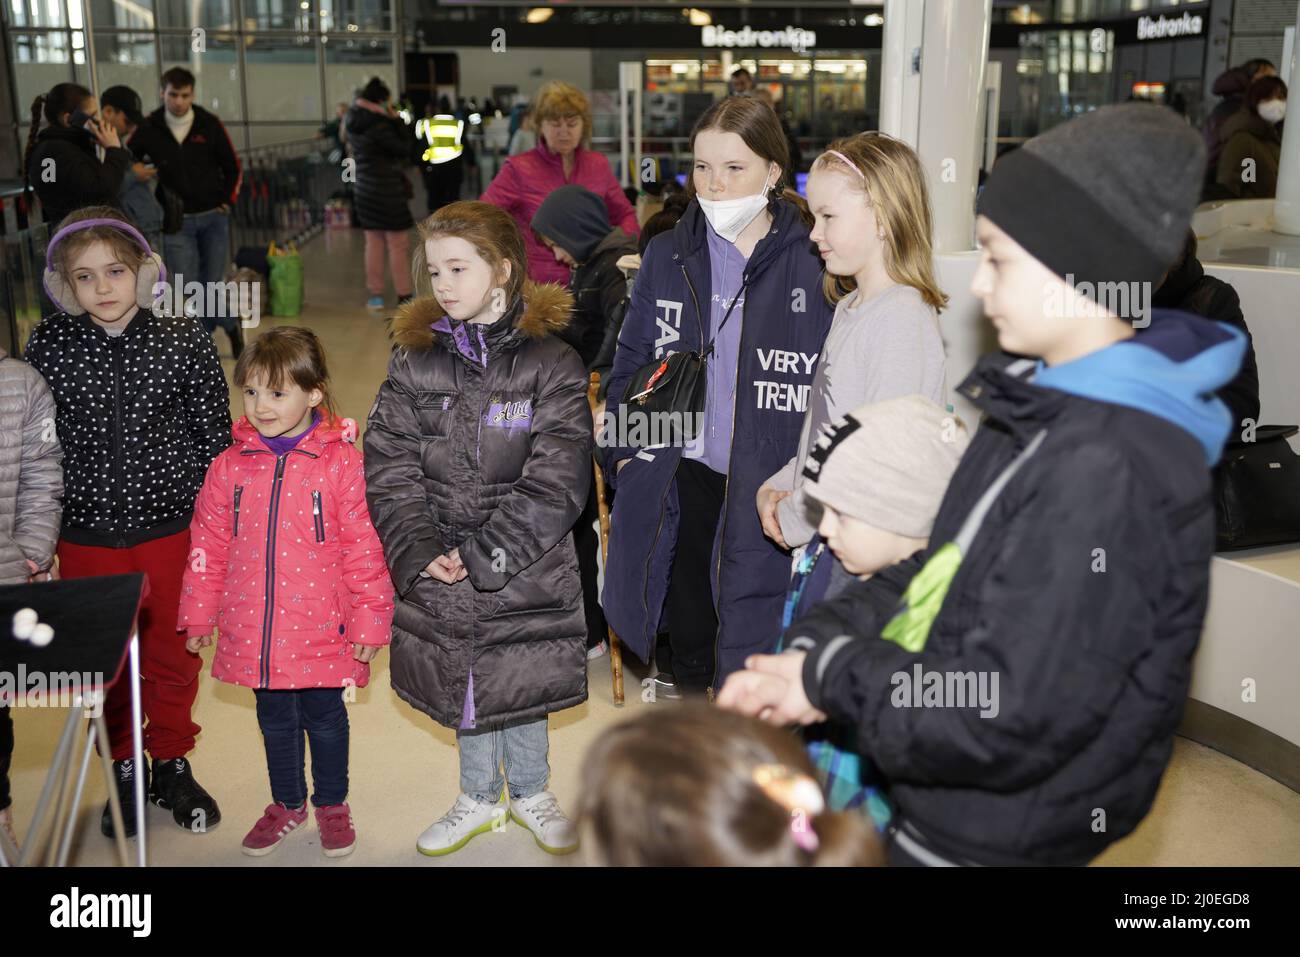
<point>286,565</point>
<point>562,157</point>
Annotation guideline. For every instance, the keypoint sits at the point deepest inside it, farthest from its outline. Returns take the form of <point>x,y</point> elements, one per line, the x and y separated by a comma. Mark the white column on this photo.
<point>954,51</point>
<point>1286,206</point>
<point>900,73</point>
<point>931,94</point>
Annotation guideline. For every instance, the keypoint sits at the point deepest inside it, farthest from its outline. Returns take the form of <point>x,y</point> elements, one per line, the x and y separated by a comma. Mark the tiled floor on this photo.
<point>1210,811</point>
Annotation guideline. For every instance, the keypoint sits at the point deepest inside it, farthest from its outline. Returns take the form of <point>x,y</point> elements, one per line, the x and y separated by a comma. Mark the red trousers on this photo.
<point>169,675</point>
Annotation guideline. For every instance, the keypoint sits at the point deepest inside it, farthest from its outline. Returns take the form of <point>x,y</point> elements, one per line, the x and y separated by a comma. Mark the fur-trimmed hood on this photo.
<point>547,308</point>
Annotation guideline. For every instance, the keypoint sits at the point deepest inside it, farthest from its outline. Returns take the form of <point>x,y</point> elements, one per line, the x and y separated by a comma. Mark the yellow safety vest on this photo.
<point>442,133</point>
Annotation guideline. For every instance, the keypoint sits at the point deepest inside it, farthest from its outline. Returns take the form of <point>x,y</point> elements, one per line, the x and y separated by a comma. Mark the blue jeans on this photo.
<point>199,253</point>
<point>283,717</point>
<point>521,747</point>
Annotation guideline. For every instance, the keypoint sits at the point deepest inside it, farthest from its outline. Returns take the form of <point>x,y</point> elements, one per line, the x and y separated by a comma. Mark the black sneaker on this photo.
<point>125,771</point>
<point>174,789</point>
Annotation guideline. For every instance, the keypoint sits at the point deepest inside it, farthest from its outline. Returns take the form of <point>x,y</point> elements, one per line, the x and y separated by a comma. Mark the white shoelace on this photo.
<point>459,811</point>
<point>548,811</point>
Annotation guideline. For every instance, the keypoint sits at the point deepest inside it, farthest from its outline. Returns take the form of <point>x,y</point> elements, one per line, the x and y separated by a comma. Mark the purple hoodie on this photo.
<point>726,273</point>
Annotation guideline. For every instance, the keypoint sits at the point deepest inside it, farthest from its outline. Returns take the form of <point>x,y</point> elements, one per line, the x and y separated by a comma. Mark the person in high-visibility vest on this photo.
<point>444,157</point>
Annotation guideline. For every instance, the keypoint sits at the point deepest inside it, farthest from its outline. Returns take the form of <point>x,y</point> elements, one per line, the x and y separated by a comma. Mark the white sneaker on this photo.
<point>454,829</point>
<point>598,650</point>
<point>541,814</point>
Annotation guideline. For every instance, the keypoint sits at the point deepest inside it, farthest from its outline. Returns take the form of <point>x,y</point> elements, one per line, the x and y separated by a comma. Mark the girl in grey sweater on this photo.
<point>873,226</point>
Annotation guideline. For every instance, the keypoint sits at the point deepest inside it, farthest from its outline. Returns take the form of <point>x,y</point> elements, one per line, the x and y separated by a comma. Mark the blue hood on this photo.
<point>1170,369</point>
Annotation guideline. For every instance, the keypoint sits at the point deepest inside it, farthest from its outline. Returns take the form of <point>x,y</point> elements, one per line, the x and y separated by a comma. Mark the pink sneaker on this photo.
<point>337,835</point>
<point>276,822</point>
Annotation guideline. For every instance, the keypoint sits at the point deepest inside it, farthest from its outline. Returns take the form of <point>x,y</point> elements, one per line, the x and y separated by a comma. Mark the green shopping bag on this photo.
<point>285,266</point>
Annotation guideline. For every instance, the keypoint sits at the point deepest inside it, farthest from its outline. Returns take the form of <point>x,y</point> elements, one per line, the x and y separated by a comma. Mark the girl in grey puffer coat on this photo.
<point>31,472</point>
<point>31,491</point>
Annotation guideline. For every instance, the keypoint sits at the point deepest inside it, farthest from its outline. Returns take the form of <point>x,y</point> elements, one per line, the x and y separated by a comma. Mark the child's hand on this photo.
<point>461,571</point>
<point>771,688</point>
<point>443,569</point>
<point>768,498</point>
<point>365,653</point>
<point>34,574</point>
<point>195,642</point>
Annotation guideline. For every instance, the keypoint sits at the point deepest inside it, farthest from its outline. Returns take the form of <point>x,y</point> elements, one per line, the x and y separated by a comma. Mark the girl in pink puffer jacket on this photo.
<point>286,565</point>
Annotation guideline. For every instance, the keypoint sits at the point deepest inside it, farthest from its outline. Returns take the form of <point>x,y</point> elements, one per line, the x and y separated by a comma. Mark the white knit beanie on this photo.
<point>888,463</point>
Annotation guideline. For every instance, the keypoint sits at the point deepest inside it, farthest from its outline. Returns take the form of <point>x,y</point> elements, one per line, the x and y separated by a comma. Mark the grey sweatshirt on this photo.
<point>887,347</point>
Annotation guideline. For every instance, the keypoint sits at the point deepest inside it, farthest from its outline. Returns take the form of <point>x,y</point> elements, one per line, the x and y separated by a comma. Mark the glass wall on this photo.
<point>821,96</point>
<point>271,69</point>
<point>1060,74</point>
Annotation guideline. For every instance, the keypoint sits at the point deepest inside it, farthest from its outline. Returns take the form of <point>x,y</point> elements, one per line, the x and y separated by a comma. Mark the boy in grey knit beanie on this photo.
<point>880,473</point>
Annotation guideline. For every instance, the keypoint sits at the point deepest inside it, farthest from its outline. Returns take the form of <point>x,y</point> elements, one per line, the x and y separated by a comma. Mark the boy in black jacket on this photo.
<point>574,223</point>
<point>1068,565</point>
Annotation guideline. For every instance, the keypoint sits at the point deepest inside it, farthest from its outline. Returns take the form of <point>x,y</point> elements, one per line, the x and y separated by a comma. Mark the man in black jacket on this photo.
<point>1067,572</point>
<point>196,161</point>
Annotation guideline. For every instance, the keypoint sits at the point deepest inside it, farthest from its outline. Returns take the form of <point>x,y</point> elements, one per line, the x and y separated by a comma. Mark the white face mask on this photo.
<point>729,217</point>
<point>1272,110</point>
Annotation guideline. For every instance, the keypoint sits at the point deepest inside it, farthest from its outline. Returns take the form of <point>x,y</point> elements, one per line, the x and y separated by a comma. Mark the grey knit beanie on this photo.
<point>1105,197</point>
<point>574,218</point>
<point>888,463</point>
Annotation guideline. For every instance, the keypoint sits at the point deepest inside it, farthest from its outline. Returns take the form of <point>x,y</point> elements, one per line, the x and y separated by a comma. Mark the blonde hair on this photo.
<point>683,787</point>
<point>489,229</point>
<point>889,172</point>
<point>557,100</point>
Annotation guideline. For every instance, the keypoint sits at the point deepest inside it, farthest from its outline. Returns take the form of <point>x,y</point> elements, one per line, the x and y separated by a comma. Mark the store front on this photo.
<point>1052,72</point>
<point>821,66</point>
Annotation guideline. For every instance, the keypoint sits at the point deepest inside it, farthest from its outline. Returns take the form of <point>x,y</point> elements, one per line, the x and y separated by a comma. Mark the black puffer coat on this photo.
<point>141,416</point>
<point>494,460</point>
<point>380,145</point>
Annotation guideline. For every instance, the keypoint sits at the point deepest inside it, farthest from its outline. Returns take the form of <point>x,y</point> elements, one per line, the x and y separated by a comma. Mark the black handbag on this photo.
<point>675,383</point>
<point>1257,491</point>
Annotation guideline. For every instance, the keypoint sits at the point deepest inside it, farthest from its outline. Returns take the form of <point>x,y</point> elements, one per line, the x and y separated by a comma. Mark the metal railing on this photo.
<point>285,189</point>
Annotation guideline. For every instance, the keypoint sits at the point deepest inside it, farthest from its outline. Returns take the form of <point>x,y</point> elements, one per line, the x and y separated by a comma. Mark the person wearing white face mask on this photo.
<point>1252,143</point>
<point>686,550</point>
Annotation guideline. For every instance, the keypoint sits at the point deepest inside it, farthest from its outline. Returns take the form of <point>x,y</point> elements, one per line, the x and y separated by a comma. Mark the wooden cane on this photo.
<point>615,653</point>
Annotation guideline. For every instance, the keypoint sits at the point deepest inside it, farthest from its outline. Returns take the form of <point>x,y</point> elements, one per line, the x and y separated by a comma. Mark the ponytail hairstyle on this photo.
<point>490,230</point>
<point>699,786</point>
<point>756,123</point>
<point>889,175</point>
<point>62,98</point>
<point>287,354</point>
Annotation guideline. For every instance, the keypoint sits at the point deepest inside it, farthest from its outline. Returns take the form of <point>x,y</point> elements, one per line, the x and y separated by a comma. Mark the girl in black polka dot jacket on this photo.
<point>142,410</point>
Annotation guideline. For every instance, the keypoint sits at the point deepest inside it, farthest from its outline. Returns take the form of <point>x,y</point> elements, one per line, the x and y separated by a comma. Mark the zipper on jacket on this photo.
<point>119,495</point>
<point>268,618</point>
<point>726,489</point>
<point>239,492</point>
<point>317,517</point>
